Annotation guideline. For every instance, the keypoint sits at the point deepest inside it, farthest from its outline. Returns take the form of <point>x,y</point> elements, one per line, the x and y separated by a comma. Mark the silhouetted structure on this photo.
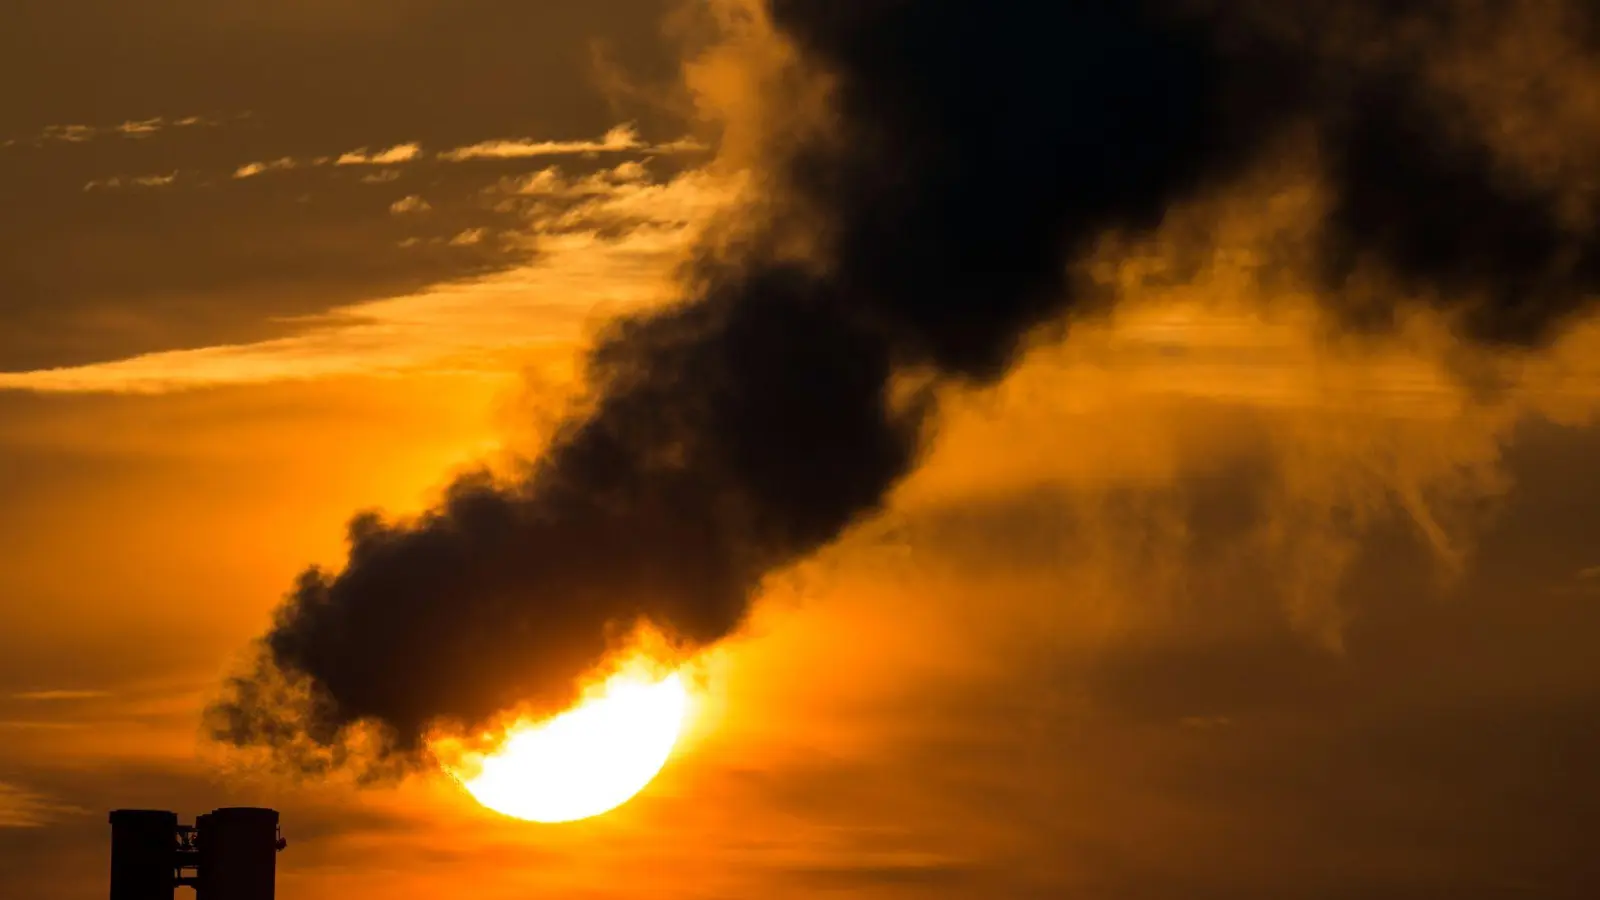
<point>144,856</point>
<point>227,854</point>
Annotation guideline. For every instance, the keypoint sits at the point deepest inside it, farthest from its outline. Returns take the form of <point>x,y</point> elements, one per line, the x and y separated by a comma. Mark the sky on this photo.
<point>1209,595</point>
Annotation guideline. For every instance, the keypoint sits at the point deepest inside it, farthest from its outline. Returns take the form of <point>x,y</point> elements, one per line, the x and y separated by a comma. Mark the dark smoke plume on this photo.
<point>978,147</point>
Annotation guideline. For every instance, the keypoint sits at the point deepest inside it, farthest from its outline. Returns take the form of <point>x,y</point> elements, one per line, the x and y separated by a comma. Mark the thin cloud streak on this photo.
<point>250,170</point>
<point>131,181</point>
<point>397,154</point>
<point>467,326</point>
<point>140,128</point>
<point>410,203</point>
<point>22,808</point>
<point>54,696</point>
<point>608,252</point>
<point>621,138</point>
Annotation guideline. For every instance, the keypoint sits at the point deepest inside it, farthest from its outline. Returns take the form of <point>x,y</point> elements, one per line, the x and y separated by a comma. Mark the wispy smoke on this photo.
<point>975,149</point>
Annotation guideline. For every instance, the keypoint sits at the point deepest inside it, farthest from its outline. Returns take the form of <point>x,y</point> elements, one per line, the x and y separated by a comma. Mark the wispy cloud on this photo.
<point>133,128</point>
<point>604,250</point>
<point>681,145</point>
<point>140,128</point>
<point>71,134</point>
<point>59,695</point>
<point>22,808</point>
<point>621,138</point>
<point>409,204</point>
<point>397,154</point>
<point>249,170</point>
<point>131,181</point>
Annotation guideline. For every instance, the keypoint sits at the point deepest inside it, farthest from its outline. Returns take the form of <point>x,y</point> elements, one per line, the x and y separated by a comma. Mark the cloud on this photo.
<point>622,138</point>
<point>39,725</point>
<point>598,251</point>
<point>22,808</point>
<point>249,170</point>
<point>468,327</point>
<point>141,128</point>
<point>220,258</point>
<point>399,153</point>
<point>409,204</point>
<point>133,181</point>
<point>682,145</point>
<point>60,695</point>
<point>72,134</point>
<point>545,181</point>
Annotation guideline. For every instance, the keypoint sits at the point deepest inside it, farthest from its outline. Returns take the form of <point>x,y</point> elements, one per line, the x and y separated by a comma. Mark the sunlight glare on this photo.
<point>585,761</point>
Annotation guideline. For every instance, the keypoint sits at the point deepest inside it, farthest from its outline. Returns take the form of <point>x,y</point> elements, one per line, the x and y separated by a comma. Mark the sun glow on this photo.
<point>585,761</point>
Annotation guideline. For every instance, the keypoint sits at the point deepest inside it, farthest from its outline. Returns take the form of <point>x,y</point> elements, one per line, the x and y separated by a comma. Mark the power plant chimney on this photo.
<point>144,854</point>
<point>228,854</point>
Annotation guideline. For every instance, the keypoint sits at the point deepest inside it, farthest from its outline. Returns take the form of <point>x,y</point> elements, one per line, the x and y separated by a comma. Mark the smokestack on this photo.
<point>973,152</point>
<point>144,854</point>
<point>238,848</point>
<point>228,854</point>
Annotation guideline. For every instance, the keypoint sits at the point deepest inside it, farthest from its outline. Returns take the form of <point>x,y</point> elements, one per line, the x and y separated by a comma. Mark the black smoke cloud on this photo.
<point>975,149</point>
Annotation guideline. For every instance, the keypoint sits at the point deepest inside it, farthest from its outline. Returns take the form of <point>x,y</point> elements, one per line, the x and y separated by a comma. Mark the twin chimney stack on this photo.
<point>227,854</point>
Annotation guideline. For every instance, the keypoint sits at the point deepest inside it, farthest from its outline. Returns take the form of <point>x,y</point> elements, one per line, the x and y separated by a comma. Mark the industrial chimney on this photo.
<point>228,854</point>
<point>144,854</point>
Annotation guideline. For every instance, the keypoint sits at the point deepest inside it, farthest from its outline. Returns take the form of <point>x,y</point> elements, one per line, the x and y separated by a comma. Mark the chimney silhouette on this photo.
<point>228,854</point>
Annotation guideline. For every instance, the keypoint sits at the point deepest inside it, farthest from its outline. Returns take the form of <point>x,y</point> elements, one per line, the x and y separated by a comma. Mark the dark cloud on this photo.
<point>747,427</point>
<point>1440,214</point>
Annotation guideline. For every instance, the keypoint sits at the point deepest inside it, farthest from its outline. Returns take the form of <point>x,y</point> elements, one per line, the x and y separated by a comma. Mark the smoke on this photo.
<point>971,152</point>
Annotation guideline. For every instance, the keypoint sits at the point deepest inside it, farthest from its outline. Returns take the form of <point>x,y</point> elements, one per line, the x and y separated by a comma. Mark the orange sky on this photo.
<point>1199,601</point>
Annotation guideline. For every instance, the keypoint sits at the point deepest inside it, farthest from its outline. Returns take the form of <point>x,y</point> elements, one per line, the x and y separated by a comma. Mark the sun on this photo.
<point>585,761</point>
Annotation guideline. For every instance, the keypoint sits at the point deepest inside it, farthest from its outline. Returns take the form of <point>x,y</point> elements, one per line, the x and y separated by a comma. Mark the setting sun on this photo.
<point>586,761</point>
